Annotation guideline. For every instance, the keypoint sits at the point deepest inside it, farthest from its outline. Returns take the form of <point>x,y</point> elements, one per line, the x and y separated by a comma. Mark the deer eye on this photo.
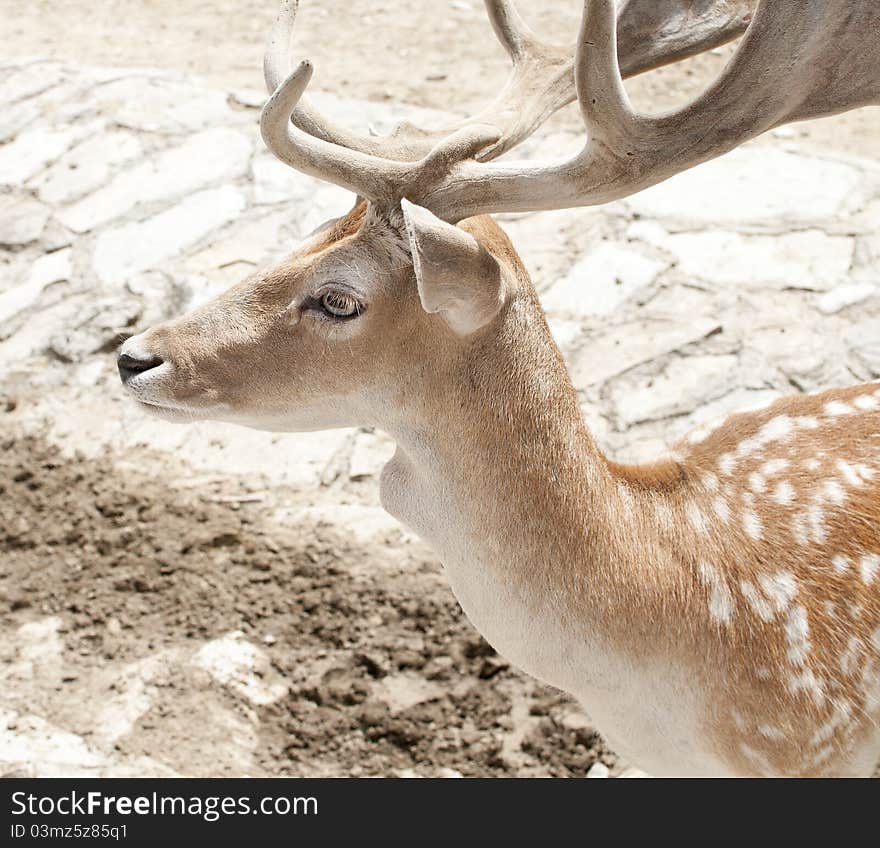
<point>340,305</point>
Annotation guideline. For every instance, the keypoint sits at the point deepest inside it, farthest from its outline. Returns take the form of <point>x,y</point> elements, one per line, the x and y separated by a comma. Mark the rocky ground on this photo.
<point>176,599</point>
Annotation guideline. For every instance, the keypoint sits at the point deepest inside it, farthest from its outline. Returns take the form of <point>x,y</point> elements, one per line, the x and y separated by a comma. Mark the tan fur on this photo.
<point>778,648</point>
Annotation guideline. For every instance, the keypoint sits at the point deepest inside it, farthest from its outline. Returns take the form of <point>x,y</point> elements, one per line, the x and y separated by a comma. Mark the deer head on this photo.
<point>366,314</point>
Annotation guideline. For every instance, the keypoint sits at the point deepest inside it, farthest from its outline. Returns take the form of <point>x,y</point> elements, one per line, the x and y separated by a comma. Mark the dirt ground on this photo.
<point>382,674</point>
<point>138,570</point>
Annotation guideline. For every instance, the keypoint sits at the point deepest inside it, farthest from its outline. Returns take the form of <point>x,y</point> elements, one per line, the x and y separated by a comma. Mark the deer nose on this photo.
<point>131,364</point>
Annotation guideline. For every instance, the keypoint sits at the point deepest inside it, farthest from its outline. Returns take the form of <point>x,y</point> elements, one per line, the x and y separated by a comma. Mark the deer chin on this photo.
<point>150,393</point>
<point>176,414</point>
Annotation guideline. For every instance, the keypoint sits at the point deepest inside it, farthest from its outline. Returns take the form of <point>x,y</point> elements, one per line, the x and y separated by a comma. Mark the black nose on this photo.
<point>130,365</point>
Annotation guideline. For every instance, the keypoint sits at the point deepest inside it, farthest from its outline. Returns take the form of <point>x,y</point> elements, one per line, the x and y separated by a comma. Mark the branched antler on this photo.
<point>783,71</point>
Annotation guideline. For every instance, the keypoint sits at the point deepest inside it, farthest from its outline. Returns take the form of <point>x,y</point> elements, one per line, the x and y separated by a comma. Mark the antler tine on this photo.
<point>607,113</point>
<point>276,67</point>
<point>362,173</point>
<point>510,28</point>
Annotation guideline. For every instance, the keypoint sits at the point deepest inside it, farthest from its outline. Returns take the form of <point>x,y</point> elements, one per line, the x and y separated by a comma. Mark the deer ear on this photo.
<point>457,277</point>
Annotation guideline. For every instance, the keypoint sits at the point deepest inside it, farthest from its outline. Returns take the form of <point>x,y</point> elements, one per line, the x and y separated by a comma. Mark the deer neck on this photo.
<point>498,472</point>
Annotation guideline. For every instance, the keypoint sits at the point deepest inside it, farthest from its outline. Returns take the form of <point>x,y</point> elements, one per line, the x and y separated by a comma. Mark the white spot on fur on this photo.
<point>799,529</point>
<point>868,565</point>
<point>849,659</point>
<point>774,466</point>
<point>720,600</point>
<point>816,519</point>
<point>797,632</point>
<point>752,524</point>
<point>783,494</point>
<point>710,481</point>
<point>822,755</point>
<point>839,717</point>
<point>696,518</point>
<point>757,482</point>
<point>836,407</point>
<point>806,422</point>
<point>757,760</point>
<point>849,473</point>
<point>726,464</point>
<point>626,500</point>
<point>864,471</point>
<point>867,402</point>
<point>812,464</point>
<point>840,563</point>
<point>779,588</point>
<point>722,509</point>
<point>759,604</point>
<point>770,732</point>
<point>806,681</point>
<point>664,516</point>
<point>834,492</point>
<point>775,428</point>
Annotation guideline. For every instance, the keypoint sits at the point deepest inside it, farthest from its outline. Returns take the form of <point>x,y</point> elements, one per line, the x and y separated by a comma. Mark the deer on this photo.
<point>715,611</point>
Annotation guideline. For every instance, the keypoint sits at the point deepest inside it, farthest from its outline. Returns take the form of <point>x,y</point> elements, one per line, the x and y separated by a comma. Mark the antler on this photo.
<point>541,80</point>
<point>817,59</point>
<point>625,151</point>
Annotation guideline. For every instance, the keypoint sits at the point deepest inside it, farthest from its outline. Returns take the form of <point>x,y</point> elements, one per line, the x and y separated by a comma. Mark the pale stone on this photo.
<point>565,331</point>
<point>95,328</point>
<point>598,770</point>
<point>843,296</point>
<point>625,346</point>
<point>213,156</point>
<point>634,773</point>
<point>403,691</point>
<point>29,81</point>
<point>739,400</point>
<point>15,118</point>
<point>252,98</point>
<point>576,721</point>
<point>53,751</point>
<point>864,341</point>
<point>313,201</point>
<point>242,666</point>
<point>275,182</point>
<point>328,202</point>
<point>22,220</point>
<point>807,259</point>
<point>370,454</point>
<point>682,386</point>
<point>363,524</point>
<point>252,243</point>
<point>86,167</point>
<point>602,280</point>
<point>33,149</point>
<point>648,231</point>
<point>163,105</point>
<point>754,184</point>
<point>122,252</point>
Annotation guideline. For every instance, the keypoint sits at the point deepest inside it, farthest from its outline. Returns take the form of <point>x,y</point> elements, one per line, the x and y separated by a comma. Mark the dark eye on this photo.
<point>340,305</point>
